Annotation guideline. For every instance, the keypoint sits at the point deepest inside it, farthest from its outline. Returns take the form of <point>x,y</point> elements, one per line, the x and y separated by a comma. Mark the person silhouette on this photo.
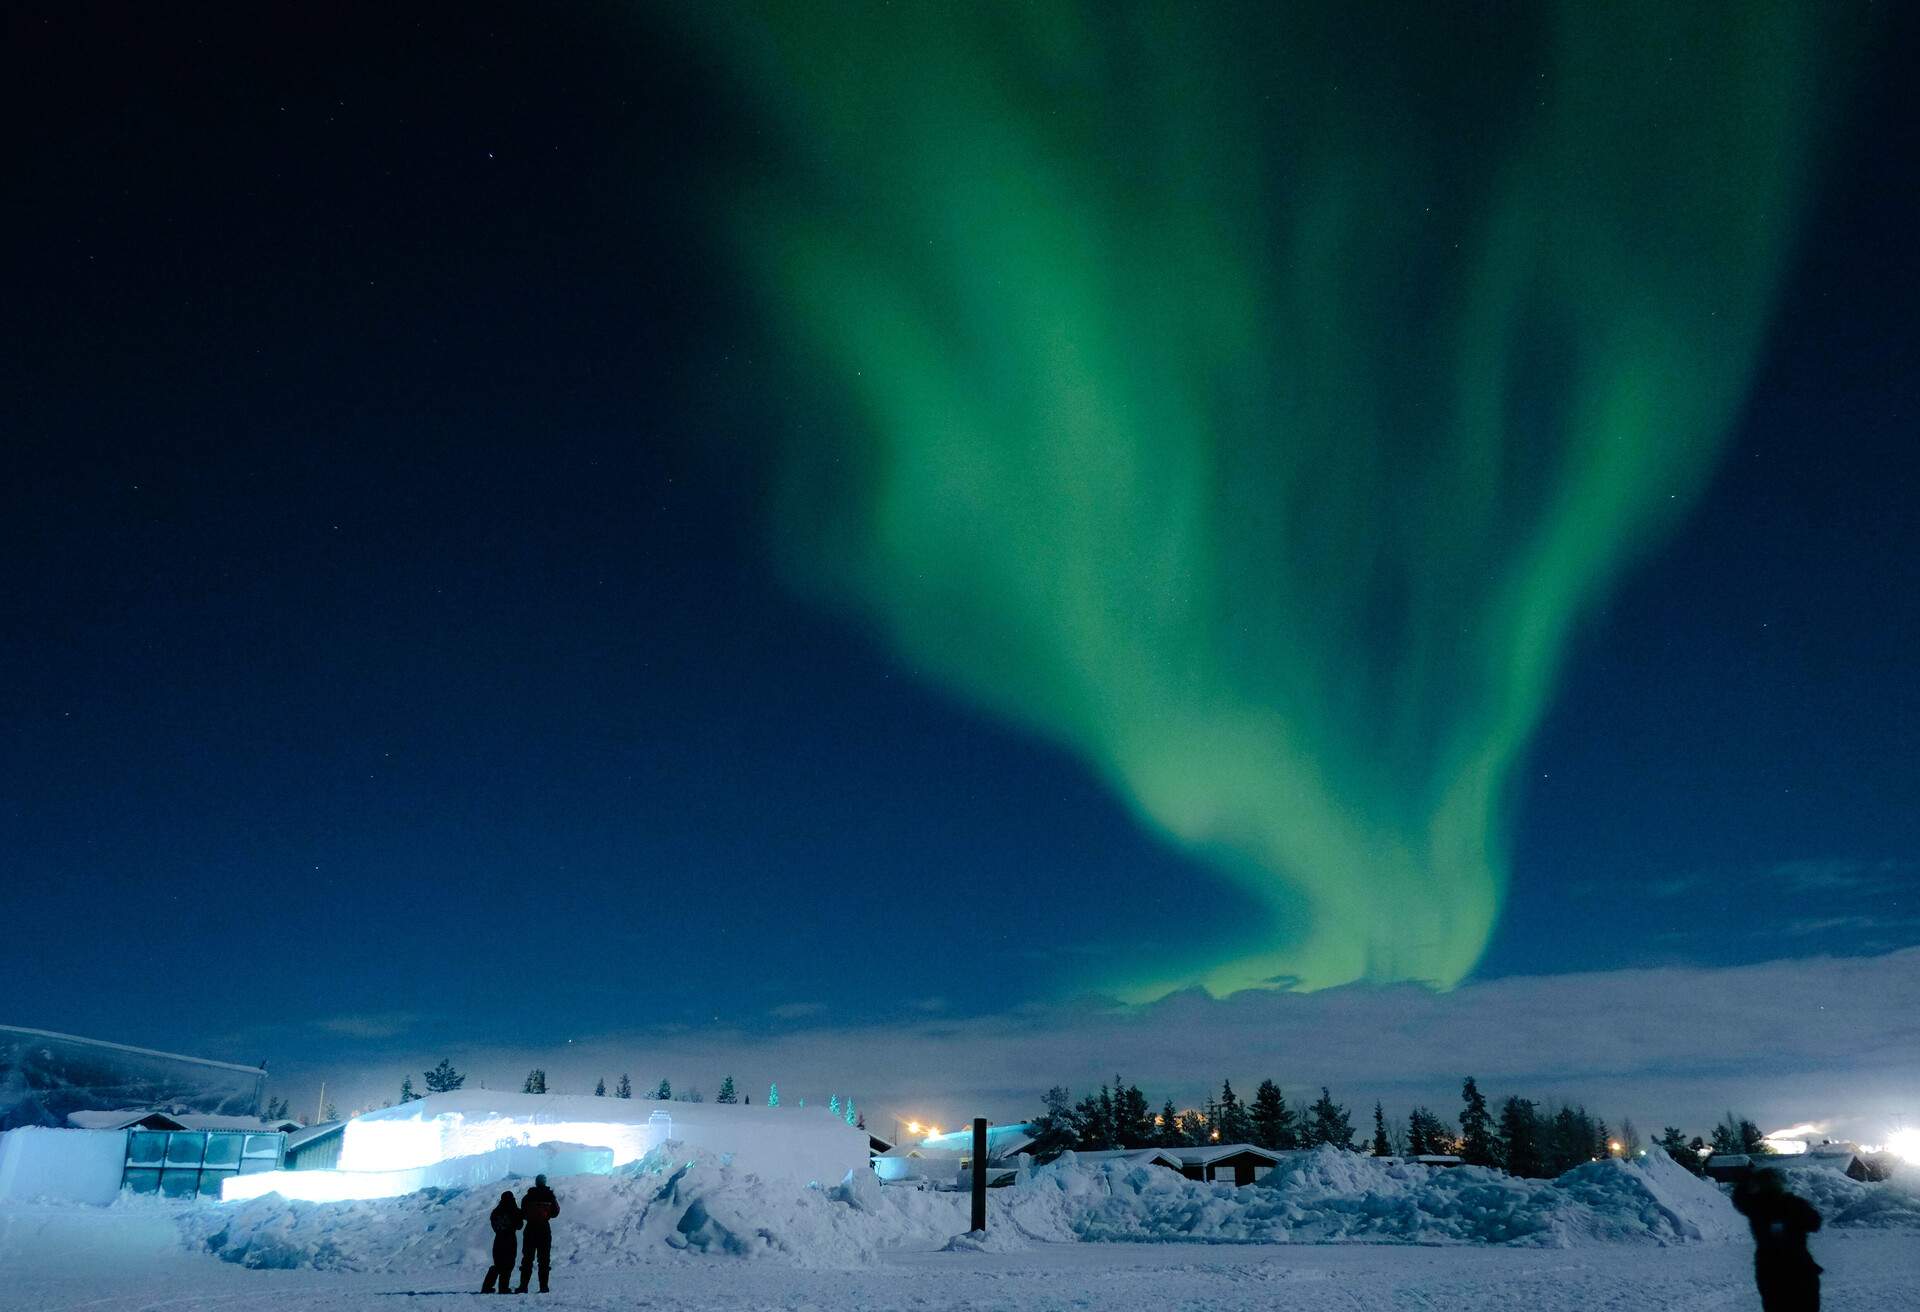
<point>505,1220</point>
<point>1788,1277</point>
<point>538,1207</point>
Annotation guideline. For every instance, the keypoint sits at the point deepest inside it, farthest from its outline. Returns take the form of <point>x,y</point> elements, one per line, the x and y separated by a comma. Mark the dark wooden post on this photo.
<point>980,1173</point>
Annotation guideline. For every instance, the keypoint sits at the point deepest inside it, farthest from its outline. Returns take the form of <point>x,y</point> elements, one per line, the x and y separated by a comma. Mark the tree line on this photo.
<point>1524,1138</point>
<point>444,1078</point>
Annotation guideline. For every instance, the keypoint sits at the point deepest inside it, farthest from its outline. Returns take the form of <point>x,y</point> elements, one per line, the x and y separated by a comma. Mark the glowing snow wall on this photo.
<point>806,1145</point>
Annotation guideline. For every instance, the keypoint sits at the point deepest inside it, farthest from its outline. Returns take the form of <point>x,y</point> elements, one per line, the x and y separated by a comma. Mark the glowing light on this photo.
<point>1905,1144</point>
<point>1614,1146</point>
<point>913,1127</point>
<point>1184,434</point>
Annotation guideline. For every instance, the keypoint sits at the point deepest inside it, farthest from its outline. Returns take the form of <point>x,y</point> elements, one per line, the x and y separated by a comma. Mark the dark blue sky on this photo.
<point>388,620</point>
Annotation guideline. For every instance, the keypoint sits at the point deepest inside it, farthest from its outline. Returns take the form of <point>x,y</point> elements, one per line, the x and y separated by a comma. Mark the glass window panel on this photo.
<point>179,1184</point>
<point>263,1145</point>
<point>210,1183</point>
<point>185,1148</point>
<point>224,1149</point>
<point>146,1148</point>
<point>141,1180</point>
<point>255,1165</point>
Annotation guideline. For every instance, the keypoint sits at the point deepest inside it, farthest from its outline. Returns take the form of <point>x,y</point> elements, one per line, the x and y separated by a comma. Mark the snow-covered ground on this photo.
<point>1328,1231</point>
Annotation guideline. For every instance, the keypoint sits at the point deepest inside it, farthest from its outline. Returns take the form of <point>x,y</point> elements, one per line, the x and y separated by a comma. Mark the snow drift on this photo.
<point>680,1200</point>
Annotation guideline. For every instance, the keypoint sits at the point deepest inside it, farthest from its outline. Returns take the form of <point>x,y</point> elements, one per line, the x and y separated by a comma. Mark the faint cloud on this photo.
<point>928,1004</point>
<point>797,1010</point>
<point>371,1025</point>
<point>1844,875</point>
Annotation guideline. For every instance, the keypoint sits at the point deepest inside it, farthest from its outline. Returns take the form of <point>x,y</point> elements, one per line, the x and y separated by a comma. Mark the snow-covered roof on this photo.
<point>127,1047</point>
<point>123,1119</point>
<point>1729,1160</point>
<point>306,1134</point>
<point>1214,1152</point>
<point>1143,1156</point>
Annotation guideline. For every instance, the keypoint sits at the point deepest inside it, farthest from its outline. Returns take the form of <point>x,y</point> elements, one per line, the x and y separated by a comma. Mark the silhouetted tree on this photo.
<point>1327,1123</point>
<point>1235,1125</point>
<point>406,1090</point>
<point>1477,1146</point>
<point>664,1091</point>
<point>1382,1146</point>
<point>444,1078</point>
<point>1674,1144</point>
<point>536,1081</point>
<point>1273,1124</point>
<point>600,1088</point>
<point>624,1089</point>
<point>1520,1137</point>
<point>726,1093</point>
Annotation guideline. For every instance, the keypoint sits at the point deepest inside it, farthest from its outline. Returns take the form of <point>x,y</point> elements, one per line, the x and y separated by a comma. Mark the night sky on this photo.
<point>407,646</point>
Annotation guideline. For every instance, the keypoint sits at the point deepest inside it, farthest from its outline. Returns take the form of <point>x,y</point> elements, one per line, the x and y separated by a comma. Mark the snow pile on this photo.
<point>1330,1196</point>
<point>676,1199</point>
<point>680,1200</point>
<point>1848,1204</point>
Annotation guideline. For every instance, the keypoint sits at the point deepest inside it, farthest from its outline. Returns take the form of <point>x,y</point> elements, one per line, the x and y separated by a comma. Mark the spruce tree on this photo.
<point>1057,1127</point>
<point>1133,1116</point>
<point>600,1087</point>
<point>1477,1147</point>
<point>1675,1145</point>
<point>536,1081</point>
<point>1327,1122</point>
<point>624,1089</point>
<point>773,1095</point>
<point>1273,1123</point>
<point>444,1078</point>
<point>850,1116</point>
<point>1382,1146</point>
<point>1167,1130</point>
<point>1520,1138</point>
<point>1236,1126</point>
<point>833,1104</point>
<point>406,1091</point>
<point>726,1093</point>
<point>664,1092</point>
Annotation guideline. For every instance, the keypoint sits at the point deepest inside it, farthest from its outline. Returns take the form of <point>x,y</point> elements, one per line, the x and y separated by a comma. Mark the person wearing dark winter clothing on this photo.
<point>505,1221</point>
<point>1788,1277</point>
<point>538,1207</point>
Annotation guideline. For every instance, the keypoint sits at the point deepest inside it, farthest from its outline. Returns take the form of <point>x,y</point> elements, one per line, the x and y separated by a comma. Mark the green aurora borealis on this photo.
<point>1254,403</point>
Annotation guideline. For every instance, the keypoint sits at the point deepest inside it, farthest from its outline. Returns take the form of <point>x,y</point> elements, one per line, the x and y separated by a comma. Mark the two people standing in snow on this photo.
<point>1788,1277</point>
<point>535,1210</point>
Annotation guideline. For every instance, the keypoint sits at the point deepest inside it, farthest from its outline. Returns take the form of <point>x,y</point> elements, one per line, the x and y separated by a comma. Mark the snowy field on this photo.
<point>1878,1271</point>
<point>1329,1232</point>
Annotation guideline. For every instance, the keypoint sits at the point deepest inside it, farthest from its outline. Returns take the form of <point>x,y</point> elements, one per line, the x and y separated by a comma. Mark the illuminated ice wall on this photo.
<point>1253,399</point>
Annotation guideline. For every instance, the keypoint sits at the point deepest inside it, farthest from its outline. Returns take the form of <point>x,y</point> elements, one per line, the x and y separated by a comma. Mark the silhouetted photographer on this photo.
<point>1788,1277</point>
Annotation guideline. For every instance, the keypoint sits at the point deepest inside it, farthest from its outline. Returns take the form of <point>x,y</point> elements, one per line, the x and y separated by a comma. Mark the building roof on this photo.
<point>1214,1152</point>
<point>154,1118</point>
<point>1140,1156</point>
<point>307,1134</point>
<point>124,1118</point>
<point>124,1047</point>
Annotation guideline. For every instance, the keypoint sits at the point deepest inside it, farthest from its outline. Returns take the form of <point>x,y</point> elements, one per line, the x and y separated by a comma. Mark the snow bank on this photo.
<point>1847,1203</point>
<point>682,1200</point>
<point>76,1166</point>
<point>676,1200</point>
<point>1329,1196</point>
